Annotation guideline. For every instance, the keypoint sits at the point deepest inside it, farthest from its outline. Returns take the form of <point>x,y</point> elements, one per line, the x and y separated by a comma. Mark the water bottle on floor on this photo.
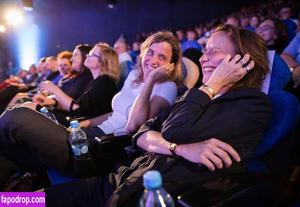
<point>154,194</point>
<point>48,114</point>
<point>77,139</point>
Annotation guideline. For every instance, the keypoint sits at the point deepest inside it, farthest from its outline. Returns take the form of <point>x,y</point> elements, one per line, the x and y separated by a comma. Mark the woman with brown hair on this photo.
<point>147,90</point>
<point>229,106</point>
<point>75,84</point>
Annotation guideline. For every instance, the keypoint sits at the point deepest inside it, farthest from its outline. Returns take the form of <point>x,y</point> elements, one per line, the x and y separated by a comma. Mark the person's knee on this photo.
<point>17,115</point>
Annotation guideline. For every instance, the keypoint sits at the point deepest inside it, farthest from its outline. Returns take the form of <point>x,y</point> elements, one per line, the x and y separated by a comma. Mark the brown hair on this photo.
<point>109,60</point>
<point>247,42</point>
<point>158,37</point>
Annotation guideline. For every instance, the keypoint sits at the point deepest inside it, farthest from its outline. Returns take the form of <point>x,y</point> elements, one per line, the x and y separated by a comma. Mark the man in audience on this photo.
<point>274,33</point>
<point>180,35</point>
<point>191,41</point>
<point>122,50</point>
<point>254,22</point>
<point>285,14</point>
<point>233,21</point>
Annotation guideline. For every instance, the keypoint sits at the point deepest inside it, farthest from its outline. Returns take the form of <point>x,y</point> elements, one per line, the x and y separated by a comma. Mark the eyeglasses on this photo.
<point>212,51</point>
<point>264,28</point>
<point>93,55</point>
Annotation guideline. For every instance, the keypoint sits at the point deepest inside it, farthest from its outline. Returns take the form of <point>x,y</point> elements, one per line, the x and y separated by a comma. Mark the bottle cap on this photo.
<point>44,110</point>
<point>74,124</point>
<point>152,179</point>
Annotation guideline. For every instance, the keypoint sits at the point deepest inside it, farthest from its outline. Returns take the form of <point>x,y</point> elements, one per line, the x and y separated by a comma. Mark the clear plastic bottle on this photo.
<point>154,194</point>
<point>48,114</point>
<point>77,139</point>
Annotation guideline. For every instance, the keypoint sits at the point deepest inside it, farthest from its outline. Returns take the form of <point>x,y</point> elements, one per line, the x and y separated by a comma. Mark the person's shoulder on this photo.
<point>104,79</point>
<point>133,74</point>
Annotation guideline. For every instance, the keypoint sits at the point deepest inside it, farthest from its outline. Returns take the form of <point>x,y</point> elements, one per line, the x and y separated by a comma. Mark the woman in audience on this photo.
<point>74,85</point>
<point>147,90</point>
<point>229,106</point>
<point>81,77</point>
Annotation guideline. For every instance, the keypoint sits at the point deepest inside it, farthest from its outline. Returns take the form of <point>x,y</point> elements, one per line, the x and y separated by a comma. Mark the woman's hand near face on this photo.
<point>212,153</point>
<point>48,86</point>
<point>162,73</point>
<point>230,71</point>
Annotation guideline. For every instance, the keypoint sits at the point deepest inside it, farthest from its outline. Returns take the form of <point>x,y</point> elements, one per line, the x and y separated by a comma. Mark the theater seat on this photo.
<point>285,114</point>
<point>56,177</point>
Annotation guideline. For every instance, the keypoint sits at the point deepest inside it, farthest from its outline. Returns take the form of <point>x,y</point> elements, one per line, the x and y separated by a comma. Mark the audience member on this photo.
<point>233,20</point>
<point>191,41</point>
<point>122,49</point>
<point>74,85</point>
<point>274,33</point>
<point>135,51</point>
<point>180,35</point>
<point>285,14</point>
<point>254,22</point>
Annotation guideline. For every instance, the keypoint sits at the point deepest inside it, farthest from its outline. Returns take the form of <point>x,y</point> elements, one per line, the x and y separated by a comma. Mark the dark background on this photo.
<point>66,23</point>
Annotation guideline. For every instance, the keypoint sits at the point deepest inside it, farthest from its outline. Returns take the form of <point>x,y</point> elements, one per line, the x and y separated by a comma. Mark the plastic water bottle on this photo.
<point>77,139</point>
<point>48,114</point>
<point>154,195</point>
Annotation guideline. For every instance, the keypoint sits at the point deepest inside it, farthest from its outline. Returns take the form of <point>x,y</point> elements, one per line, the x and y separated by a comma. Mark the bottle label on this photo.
<point>76,150</point>
<point>84,149</point>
